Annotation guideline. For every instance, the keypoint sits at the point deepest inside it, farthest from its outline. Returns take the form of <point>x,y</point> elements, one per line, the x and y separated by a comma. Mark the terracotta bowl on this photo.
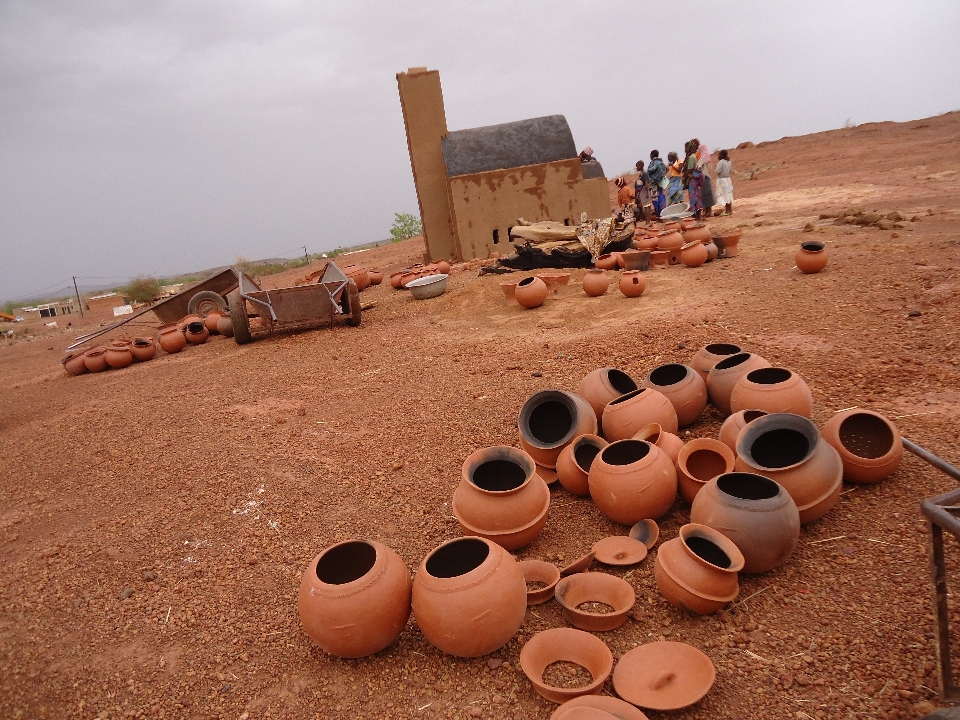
<point>613,707</point>
<point>566,645</point>
<point>647,532</point>
<point>664,675</point>
<point>619,550</point>
<point>540,571</point>
<point>580,588</point>
<point>579,565</point>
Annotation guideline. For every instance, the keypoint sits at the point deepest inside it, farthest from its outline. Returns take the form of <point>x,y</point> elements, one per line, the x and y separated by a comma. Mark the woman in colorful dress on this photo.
<point>657,172</point>
<point>674,179</point>
<point>693,180</point>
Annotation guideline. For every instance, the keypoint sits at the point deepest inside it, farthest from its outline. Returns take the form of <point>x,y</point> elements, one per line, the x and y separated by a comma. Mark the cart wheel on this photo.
<point>238,314</point>
<point>353,303</point>
<point>206,302</point>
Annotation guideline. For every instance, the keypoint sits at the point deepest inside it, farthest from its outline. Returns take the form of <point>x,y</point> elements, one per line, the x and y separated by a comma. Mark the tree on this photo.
<point>405,226</point>
<point>142,289</point>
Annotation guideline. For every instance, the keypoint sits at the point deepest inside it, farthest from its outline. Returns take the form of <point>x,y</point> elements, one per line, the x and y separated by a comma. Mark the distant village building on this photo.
<point>54,309</point>
<point>107,301</point>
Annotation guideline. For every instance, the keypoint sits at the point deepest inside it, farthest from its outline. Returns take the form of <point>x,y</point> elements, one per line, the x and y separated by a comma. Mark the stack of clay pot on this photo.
<point>119,354</point>
<point>400,279</point>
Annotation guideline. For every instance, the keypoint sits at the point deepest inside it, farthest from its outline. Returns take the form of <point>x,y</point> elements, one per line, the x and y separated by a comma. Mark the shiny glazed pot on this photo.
<point>625,416</point>
<point>143,349</point>
<point>734,425</point>
<point>196,333</point>
<point>869,445</point>
<point>709,355</point>
<point>171,339</point>
<point>602,385</point>
<point>726,373</point>
<point>811,257</point>
<point>632,283</point>
<point>550,420</point>
<point>595,282</point>
<point>573,465</point>
<point>683,387</point>
<point>632,480</point>
<point>775,390</point>
<point>697,571</point>
<point>699,461</point>
<point>531,292</point>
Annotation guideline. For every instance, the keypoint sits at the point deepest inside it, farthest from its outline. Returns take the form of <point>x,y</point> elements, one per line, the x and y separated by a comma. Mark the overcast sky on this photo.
<point>162,137</point>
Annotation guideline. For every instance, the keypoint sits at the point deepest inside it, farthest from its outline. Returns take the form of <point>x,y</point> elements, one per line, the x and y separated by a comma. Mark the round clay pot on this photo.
<point>632,480</point>
<point>118,357</point>
<point>811,257</point>
<point>573,465</point>
<point>687,223</point>
<point>355,598</point>
<point>788,449</point>
<point>509,292</point>
<point>670,240</point>
<point>869,445</point>
<point>726,373</point>
<point>734,425</point>
<point>74,363</point>
<point>500,497</point>
<point>611,708</point>
<point>395,279</point>
<point>729,244</point>
<point>645,531</point>
<point>196,333</point>
<point>668,442</point>
<point>171,339</point>
<point>210,322</point>
<point>376,277</point>
<point>408,277</point>
<point>697,571</point>
<point>359,275</point>
<point>712,250</point>
<point>608,261</point>
<point>538,571</point>
<point>225,325</point>
<point>693,254</point>
<point>621,263</point>
<point>566,645</point>
<point>632,283</point>
<point>709,355</point>
<point>756,513</point>
<point>443,267</point>
<point>531,292</point>
<point>700,461</point>
<point>670,225</point>
<point>186,320</point>
<point>646,242</point>
<point>602,385</point>
<point>469,597</point>
<point>595,282</point>
<point>697,232</point>
<point>123,344</point>
<point>550,420</point>
<point>143,349</point>
<point>775,390</point>
<point>625,416</point>
<point>683,387</point>
<point>664,675</point>
<point>574,590</point>
<point>659,258</point>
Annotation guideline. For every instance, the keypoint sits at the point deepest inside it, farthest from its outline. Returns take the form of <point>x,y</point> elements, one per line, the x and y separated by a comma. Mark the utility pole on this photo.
<point>79,301</point>
<point>306,254</point>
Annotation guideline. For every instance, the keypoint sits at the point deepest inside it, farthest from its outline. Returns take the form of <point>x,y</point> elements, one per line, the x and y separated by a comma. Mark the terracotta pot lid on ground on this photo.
<point>619,550</point>
<point>579,565</point>
<point>575,592</point>
<point>566,645</point>
<point>540,571</point>
<point>611,705</point>
<point>664,675</point>
<point>647,532</point>
<point>549,475</point>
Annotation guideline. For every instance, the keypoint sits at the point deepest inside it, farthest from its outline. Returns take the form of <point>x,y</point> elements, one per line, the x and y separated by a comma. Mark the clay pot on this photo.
<point>729,244</point>
<point>712,250</point>
<point>538,571</point>
<point>625,416</point>
<point>697,232</point>
<point>756,513</point>
<point>734,425</point>
<point>687,223</point>
<point>773,390</point>
<point>531,292</point>
<point>611,708</point>
<point>632,283</point>
<point>395,279</point>
<point>408,277</point>
<point>646,242</point>
<point>726,373</point>
<point>196,333</point>
<point>96,359</point>
<point>186,320</point>
<point>635,259</point>
<point>669,226</point>
<point>607,261</point>
<point>118,357</point>
<point>443,267</point>
<point>225,325</point>
<point>555,282</point>
<point>566,645</point>
<point>171,339</point>
<point>709,355</point>
<point>550,420</point>
<point>621,263</point>
<point>668,442</point>
<point>788,449</point>
<point>574,590</point>
<point>500,497</point>
<point>143,349</point>
<point>699,461</point>
<point>74,363</point>
<point>659,258</point>
<point>632,480</point>
<point>693,254</point>
<point>595,282</point>
<point>509,292</point>
<point>210,322</point>
<point>869,445</point>
<point>664,676</point>
<point>670,240</point>
<point>376,277</point>
<point>573,465</point>
<point>683,387</point>
<point>355,598</point>
<point>358,274</point>
<point>811,257</point>
<point>123,344</point>
<point>469,597</point>
<point>697,571</point>
<point>602,385</point>
<point>646,531</point>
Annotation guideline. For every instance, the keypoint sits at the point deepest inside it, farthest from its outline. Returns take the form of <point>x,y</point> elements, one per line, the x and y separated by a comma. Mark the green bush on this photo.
<point>142,289</point>
<point>405,226</point>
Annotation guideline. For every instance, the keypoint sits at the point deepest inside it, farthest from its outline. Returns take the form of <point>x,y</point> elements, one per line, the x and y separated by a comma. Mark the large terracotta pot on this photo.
<point>355,598</point>
<point>187,319</point>
<point>196,333</point>
<point>667,442</point>
<point>607,261</point>
<point>776,390</point>
<point>811,257</point>
<point>646,242</point>
<point>699,461</point>
<point>602,385</point>
<point>225,325</point>
<point>632,283</point>
<point>697,571</point>
<point>501,497</point>
<point>726,373</point>
<point>729,244</point>
<point>143,349</point>
<point>709,355</point>
<point>683,387</point>
<point>756,513</point>
<point>693,254</point>
<point>469,597</point>
<point>376,277</point>
<point>443,267</point>
<point>75,363</point>
<point>210,322</point>
<point>595,282</point>
<point>573,465</point>
<point>410,276</point>
<point>358,274</point>
<point>550,420</point>
<point>670,240</point>
<point>734,425</point>
<point>96,359</point>
<point>531,292</point>
<point>687,223</point>
<point>697,232</point>
<point>632,480</point>
<point>118,357</point>
<point>869,445</point>
<point>395,279</point>
<point>623,417</point>
<point>670,225</point>
<point>788,448</point>
<point>171,339</point>
<point>566,645</point>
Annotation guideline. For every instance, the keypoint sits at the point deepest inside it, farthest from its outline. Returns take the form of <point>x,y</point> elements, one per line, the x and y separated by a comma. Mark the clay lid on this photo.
<point>619,550</point>
<point>579,565</point>
<point>549,475</point>
<point>664,675</point>
<point>566,645</point>
<point>539,571</point>
<point>646,531</point>
<point>587,713</point>
<point>615,707</point>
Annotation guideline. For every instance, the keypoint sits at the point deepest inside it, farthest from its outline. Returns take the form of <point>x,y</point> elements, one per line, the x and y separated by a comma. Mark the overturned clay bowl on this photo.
<point>581,564</point>
<point>593,587</point>
<point>664,675</point>
<point>614,707</point>
<point>538,571</point>
<point>647,532</point>
<point>566,645</point>
<point>619,550</point>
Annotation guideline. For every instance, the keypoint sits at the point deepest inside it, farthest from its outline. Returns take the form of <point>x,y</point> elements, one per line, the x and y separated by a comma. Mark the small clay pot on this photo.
<point>697,571</point>
<point>509,292</point>
<point>171,339</point>
<point>697,232</point>
<point>774,390</point>
<point>210,322</point>
<point>646,531</point>
<point>143,349</point>
<point>225,325</point>
<point>683,387</point>
<point>726,374</point>
<point>668,442</point>
<point>118,357</point>
<point>376,277</point>
<point>196,333</point>
<point>74,363</point>
<point>755,512</point>
<point>700,461</point>
<point>531,292</point>
<point>443,266</point>
<point>693,254</point>
<point>632,480</point>
<point>608,261</point>
<point>359,275</point>
<point>811,257</point>
<point>574,590</point>
<point>729,244</point>
<point>659,258</point>
<point>632,283</point>
<point>355,598</point>
<point>670,240</point>
<point>602,385</point>
<point>469,597</point>
<point>646,242</point>
<point>395,279</point>
<point>687,223</point>
<point>670,225</point>
<point>538,571</point>
<point>186,320</point>
<point>573,464</point>
<point>625,416</point>
<point>566,645</point>
<point>595,282</point>
<point>550,420</point>
<point>408,277</point>
<point>869,445</point>
<point>709,355</point>
<point>734,425</point>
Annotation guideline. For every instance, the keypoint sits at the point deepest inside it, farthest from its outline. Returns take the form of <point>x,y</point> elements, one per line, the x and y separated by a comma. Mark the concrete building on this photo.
<point>107,301</point>
<point>472,185</point>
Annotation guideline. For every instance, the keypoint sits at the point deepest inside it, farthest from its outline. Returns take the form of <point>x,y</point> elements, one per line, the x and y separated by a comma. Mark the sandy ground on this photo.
<point>155,521</point>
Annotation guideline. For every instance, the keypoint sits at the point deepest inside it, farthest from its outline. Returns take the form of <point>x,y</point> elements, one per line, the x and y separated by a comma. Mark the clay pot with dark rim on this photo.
<point>670,240</point>
<point>709,355</point>
<point>531,292</point>
<point>728,243</point>
<point>96,359</point>
<point>697,232</point>
<point>573,465</point>
<point>538,571</point>
<point>550,420</point>
<point>632,283</point>
<point>697,571</point>
<point>210,322</point>
<point>143,349</point>
<point>607,261</point>
<point>74,363</point>
<point>225,325</point>
<point>625,416</point>
<point>734,425</point>
<point>186,320</point>
<point>501,498</point>
<point>632,480</point>
<point>811,257</point>
<point>755,512</point>
<point>354,598</point>
<point>196,333</point>
<point>575,590</point>
<point>602,385</point>
<point>171,339</point>
<point>595,282</point>
<point>788,449</point>
<point>469,597</point>
<point>869,445</point>
<point>118,356</point>
<point>699,461</point>
<point>683,387</point>
<point>566,645</point>
<point>668,442</point>
<point>726,374</point>
<point>510,292</point>
<point>773,389</point>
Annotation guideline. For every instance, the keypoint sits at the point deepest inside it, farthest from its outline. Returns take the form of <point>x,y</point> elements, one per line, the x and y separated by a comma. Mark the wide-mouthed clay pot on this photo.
<point>531,292</point>
<point>668,442</point>
<point>573,465</point>
<point>635,259</point>
<point>683,387</point>
<point>96,359</point>
<point>693,254</point>
<point>729,244</point>
<point>625,416</point>
<point>811,257</point>
<point>595,587</point>
<point>659,258</point>
<point>143,349</point>
<point>541,573</point>
<point>632,283</point>
<point>632,480</point>
<point>210,322</point>
<point>355,598</point>
<point>510,292</point>
<point>225,325</point>
<point>171,338</point>
<point>734,425</point>
<point>646,531</point>
<point>699,461</point>
<point>755,512</point>
<point>788,449</point>
<point>709,355</point>
<point>118,357</point>
<point>698,232</point>
<point>776,390</point>
<point>555,281</point>
<point>607,261</point>
<point>566,645</point>
<point>500,497</point>
<point>550,420</point>
<point>611,708</point>
<point>74,363</point>
<point>869,445</point>
<point>602,385</point>
<point>469,597</point>
<point>727,373</point>
<point>595,282</point>
<point>196,333</point>
<point>664,676</point>
<point>187,319</point>
<point>697,571</point>
<point>670,240</point>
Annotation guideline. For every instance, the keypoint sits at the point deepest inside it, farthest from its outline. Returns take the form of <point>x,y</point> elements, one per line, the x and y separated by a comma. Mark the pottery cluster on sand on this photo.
<point>400,279</point>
